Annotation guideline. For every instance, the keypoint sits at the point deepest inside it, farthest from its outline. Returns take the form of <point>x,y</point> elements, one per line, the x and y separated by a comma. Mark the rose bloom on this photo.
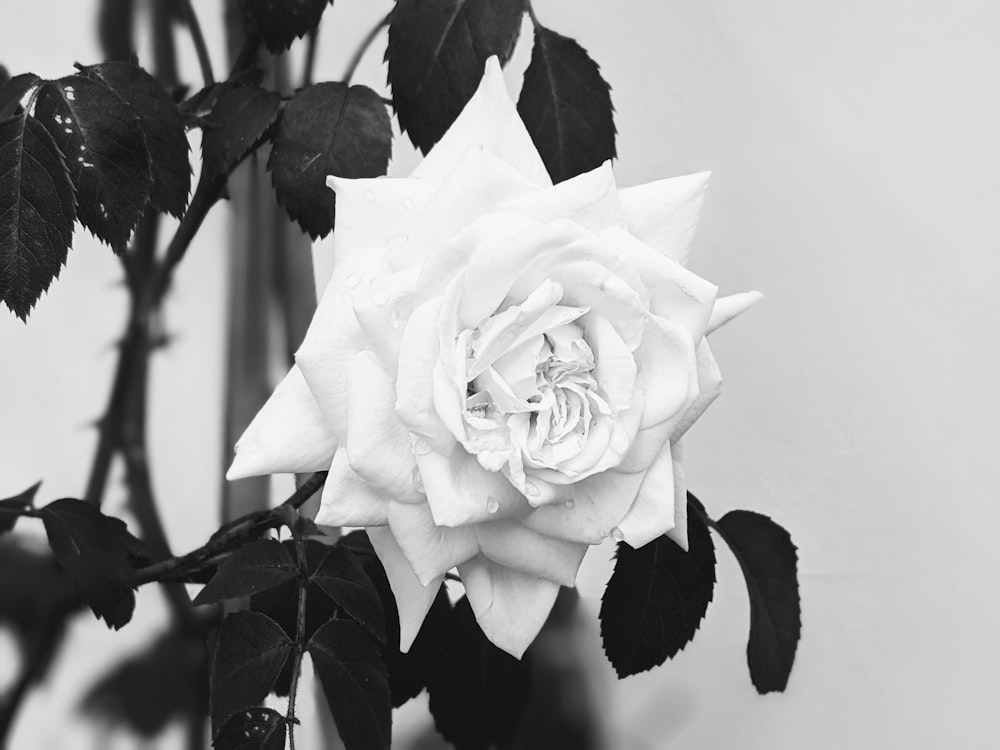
<point>499,370</point>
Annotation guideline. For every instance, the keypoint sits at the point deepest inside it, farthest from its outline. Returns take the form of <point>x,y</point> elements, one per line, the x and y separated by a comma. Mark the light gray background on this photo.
<point>856,182</point>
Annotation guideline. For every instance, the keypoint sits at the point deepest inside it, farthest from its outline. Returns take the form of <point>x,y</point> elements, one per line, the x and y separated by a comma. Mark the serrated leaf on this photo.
<point>327,129</point>
<point>161,124</point>
<point>281,22</point>
<point>656,599</point>
<point>37,210</point>
<point>255,729</point>
<point>566,106</point>
<point>341,577</point>
<point>250,652</point>
<point>96,552</point>
<point>769,562</point>
<point>436,55</point>
<point>478,692</point>
<point>238,120</point>
<point>355,683</point>
<point>257,566</point>
<point>12,91</point>
<point>105,152</point>
<point>20,501</point>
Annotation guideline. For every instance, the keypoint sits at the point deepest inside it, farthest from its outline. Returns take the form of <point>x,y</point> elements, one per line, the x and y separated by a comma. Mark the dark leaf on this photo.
<point>161,123</point>
<point>21,501</point>
<point>257,566</point>
<point>769,561</point>
<point>238,120</point>
<point>105,151</point>
<point>478,692</point>
<point>255,729</point>
<point>566,106</point>
<point>436,55</point>
<point>168,681</point>
<point>12,91</point>
<point>354,680</point>
<point>656,599</point>
<point>341,577</point>
<point>327,129</point>
<point>250,651</point>
<point>97,552</point>
<point>281,22</point>
<point>37,209</point>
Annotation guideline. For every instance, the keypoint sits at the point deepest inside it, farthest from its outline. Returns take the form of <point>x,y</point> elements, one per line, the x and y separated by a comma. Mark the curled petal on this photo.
<point>431,549</point>
<point>727,308</point>
<point>669,375</point>
<point>652,513</point>
<point>348,500</point>
<point>289,434</point>
<point>614,368</point>
<point>709,388</point>
<point>664,214</point>
<point>513,545</point>
<point>413,599</point>
<point>592,509</point>
<point>510,606</point>
<point>460,491</point>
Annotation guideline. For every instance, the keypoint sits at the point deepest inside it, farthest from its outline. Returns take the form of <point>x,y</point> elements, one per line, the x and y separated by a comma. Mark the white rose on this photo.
<point>499,370</point>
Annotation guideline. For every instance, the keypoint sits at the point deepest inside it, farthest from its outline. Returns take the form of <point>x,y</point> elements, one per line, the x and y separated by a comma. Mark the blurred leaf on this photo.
<point>769,562</point>
<point>281,22</point>
<point>355,683</point>
<point>327,129</point>
<point>566,106</point>
<point>255,729</point>
<point>238,120</point>
<point>254,567</point>
<point>105,151</point>
<point>161,124</point>
<point>97,552</point>
<point>37,210</point>
<point>436,55</point>
<point>4,75</point>
<point>21,501</point>
<point>341,577</point>
<point>250,651</point>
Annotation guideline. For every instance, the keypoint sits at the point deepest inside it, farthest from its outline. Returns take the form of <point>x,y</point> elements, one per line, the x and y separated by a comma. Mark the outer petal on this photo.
<point>646,447</point>
<point>413,599</point>
<point>383,312</point>
<point>288,434</point>
<point>512,544</point>
<point>598,505</point>
<point>727,308</point>
<point>668,374</point>
<point>348,500</point>
<point>652,513</point>
<point>664,214</point>
<point>377,442</point>
<point>432,550</point>
<point>510,606</point>
<point>460,491</point>
<point>709,388</point>
<point>490,121</point>
<point>680,531</point>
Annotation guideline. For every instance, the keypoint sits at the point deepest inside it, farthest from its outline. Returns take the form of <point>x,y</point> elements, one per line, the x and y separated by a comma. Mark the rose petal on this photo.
<point>382,313</point>
<point>652,513</point>
<point>348,500</point>
<point>289,434</point>
<point>489,121</point>
<point>709,388</point>
<point>664,214</point>
<point>646,446</point>
<point>727,308</point>
<point>460,491</point>
<point>512,544</point>
<point>598,505</point>
<point>377,442</point>
<point>413,599</point>
<point>510,606</point>
<point>614,364</point>
<point>589,199</point>
<point>668,376</point>
<point>679,533</point>
<point>431,549</point>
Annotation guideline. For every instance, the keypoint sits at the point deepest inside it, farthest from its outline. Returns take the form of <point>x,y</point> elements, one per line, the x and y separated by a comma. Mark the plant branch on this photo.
<point>300,635</point>
<point>531,13</point>
<point>359,53</point>
<point>204,61</point>
<point>248,53</point>
<point>310,61</point>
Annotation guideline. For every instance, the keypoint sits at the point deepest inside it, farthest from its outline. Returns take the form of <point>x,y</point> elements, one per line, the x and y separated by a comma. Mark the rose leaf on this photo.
<point>436,54</point>
<point>105,150</point>
<point>239,118</point>
<point>96,552</point>
<point>257,566</point>
<point>769,562</point>
<point>566,106</point>
<point>281,22</point>
<point>342,578</point>
<point>161,124</point>
<point>478,693</point>
<point>327,129</point>
<point>656,599</point>
<point>12,91</point>
<point>20,501</point>
<point>257,728</point>
<point>249,654</point>
<point>355,683</point>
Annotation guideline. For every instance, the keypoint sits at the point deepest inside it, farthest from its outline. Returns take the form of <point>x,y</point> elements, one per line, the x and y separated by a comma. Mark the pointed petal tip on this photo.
<point>727,308</point>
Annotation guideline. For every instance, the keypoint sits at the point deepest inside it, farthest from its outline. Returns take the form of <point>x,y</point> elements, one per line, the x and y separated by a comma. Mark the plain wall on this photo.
<point>856,183</point>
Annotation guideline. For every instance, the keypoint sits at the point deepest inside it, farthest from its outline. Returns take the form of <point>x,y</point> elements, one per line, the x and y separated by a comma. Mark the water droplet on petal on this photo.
<point>418,481</point>
<point>409,205</point>
<point>570,504</point>
<point>395,319</point>
<point>348,299</point>
<point>492,506</point>
<point>369,196</point>
<point>352,279</point>
<point>380,297</point>
<point>617,534</point>
<point>421,447</point>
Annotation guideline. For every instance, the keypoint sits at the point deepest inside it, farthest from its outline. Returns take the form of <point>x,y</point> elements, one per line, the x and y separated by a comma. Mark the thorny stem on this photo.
<point>204,61</point>
<point>300,635</point>
<point>359,53</point>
